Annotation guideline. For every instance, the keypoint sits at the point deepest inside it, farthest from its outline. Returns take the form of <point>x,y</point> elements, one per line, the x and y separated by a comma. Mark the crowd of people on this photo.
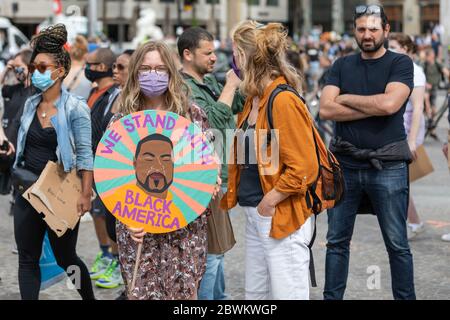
<point>379,91</point>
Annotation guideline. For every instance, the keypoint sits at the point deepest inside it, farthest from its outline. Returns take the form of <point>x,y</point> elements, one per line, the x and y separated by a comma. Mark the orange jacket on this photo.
<point>297,165</point>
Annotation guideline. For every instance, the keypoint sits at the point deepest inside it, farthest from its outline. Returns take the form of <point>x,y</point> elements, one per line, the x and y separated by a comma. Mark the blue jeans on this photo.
<point>388,191</point>
<point>212,285</point>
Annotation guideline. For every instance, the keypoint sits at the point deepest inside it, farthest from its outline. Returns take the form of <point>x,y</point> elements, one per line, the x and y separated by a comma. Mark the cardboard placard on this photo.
<point>421,167</point>
<point>54,223</point>
<point>55,197</point>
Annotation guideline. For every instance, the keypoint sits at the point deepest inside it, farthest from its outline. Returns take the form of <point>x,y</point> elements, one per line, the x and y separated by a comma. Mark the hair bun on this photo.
<point>50,39</point>
<point>276,36</point>
<point>271,39</point>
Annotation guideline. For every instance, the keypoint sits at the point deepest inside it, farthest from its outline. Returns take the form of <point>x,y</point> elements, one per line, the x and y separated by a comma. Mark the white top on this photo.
<point>419,76</point>
<point>419,81</point>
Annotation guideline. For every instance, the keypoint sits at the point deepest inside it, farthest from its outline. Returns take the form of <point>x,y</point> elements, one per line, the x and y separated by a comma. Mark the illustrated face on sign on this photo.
<point>154,165</point>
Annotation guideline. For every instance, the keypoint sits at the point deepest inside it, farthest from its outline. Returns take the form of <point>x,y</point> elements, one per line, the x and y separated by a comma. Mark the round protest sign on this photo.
<point>155,170</point>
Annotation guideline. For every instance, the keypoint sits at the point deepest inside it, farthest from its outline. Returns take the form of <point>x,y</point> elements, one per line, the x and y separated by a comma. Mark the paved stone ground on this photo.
<point>431,255</point>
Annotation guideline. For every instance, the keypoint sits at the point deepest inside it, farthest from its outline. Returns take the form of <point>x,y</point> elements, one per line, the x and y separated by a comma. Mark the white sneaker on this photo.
<point>446,237</point>
<point>86,217</point>
<point>414,229</point>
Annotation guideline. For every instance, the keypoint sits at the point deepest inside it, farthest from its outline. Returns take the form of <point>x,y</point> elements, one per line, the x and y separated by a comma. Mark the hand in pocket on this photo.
<point>265,209</point>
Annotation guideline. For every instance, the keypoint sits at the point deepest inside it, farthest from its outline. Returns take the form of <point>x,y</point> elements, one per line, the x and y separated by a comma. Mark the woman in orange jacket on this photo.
<point>270,180</point>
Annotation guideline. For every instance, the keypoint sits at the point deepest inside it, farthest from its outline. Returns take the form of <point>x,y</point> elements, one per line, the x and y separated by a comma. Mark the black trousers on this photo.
<point>29,231</point>
<point>111,226</point>
<point>99,208</point>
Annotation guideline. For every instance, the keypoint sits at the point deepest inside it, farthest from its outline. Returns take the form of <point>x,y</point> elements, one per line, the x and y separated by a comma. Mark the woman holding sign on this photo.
<point>55,126</point>
<point>272,192</point>
<point>172,258</point>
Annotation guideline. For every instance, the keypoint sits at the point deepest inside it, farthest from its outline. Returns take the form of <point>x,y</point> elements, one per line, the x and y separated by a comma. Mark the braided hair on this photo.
<point>51,40</point>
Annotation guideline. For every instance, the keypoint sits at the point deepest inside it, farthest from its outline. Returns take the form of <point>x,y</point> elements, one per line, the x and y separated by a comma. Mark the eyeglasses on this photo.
<point>368,10</point>
<point>159,70</point>
<point>41,67</point>
<point>118,66</point>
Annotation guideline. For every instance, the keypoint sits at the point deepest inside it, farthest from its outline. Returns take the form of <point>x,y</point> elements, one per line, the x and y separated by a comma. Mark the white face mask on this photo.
<point>393,50</point>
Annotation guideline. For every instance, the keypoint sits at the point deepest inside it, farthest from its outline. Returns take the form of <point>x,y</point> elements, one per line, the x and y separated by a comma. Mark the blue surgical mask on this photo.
<point>42,81</point>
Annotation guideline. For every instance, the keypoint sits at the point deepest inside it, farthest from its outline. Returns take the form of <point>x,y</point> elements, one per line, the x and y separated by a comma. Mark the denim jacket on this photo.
<point>72,124</point>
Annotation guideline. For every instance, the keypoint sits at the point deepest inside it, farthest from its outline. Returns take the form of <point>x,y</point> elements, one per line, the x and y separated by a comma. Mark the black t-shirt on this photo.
<point>354,75</point>
<point>100,116</point>
<point>250,192</point>
<point>14,97</point>
<point>40,146</point>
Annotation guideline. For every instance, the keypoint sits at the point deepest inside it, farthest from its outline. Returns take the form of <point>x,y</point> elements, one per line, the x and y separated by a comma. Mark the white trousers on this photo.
<point>276,269</point>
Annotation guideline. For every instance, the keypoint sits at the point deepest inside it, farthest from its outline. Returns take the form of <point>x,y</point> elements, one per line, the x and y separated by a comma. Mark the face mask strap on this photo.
<point>52,73</point>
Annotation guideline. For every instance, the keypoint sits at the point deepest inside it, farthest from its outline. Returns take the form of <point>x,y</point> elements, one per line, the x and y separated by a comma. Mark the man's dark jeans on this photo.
<point>388,191</point>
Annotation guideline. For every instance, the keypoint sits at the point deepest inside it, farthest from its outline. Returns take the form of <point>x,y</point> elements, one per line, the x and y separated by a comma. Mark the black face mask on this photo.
<point>92,75</point>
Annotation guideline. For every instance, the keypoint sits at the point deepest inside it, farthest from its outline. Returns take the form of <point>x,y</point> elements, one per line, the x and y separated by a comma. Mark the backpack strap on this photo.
<point>312,270</point>
<point>275,92</point>
<point>316,203</point>
<point>311,192</point>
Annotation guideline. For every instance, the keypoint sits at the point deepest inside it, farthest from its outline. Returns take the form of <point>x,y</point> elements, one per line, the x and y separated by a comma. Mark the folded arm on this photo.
<point>383,104</point>
<point>330,109</point>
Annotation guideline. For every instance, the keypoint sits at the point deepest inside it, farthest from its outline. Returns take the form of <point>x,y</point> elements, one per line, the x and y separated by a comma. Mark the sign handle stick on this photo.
<point>136,266</point>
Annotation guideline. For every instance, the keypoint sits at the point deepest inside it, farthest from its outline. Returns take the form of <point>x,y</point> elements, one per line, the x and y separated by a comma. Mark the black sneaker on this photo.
<point>11,207</point>
<point>123,295</point>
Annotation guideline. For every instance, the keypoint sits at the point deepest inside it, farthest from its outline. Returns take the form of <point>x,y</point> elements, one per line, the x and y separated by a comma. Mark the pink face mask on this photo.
<point>153,84</point>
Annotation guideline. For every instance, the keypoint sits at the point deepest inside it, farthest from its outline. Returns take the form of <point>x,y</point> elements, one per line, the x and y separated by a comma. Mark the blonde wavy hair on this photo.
<point>176,96</point>
<point>261,50</point>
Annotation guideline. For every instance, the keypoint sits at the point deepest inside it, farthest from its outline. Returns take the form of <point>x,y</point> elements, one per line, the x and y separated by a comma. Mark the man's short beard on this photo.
<point>146,187</point>
<point>201,69</point>
<point>375,48</point>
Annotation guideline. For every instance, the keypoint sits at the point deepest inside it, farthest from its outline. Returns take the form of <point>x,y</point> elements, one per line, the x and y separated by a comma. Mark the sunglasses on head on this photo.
<point>41,67</point>
<point>119,66</point>
<point>368,10</point>
<point>90,64</point>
